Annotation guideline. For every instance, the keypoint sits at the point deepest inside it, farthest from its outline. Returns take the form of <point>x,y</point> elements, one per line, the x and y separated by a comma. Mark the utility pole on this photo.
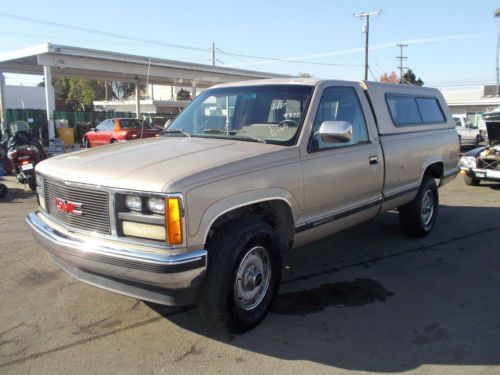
<point>213,54</point>
<point>366,30</point>
<point>401,58</point>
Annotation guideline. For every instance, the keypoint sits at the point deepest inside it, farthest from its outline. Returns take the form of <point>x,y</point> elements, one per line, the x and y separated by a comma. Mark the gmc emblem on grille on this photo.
<point>71,208</point>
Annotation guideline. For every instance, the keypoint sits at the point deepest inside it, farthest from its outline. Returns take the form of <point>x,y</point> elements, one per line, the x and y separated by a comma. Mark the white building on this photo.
<point>473,103</point>
<point>24,97</point>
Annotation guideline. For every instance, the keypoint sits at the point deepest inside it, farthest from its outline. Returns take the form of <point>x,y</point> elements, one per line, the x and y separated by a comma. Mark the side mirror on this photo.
<point>335,131</point>
<point>93,129</point>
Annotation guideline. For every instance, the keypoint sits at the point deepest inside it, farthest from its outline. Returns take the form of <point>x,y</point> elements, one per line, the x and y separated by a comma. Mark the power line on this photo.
<point>99,32</point>
<point>164,44</point>
<point>283,60</point>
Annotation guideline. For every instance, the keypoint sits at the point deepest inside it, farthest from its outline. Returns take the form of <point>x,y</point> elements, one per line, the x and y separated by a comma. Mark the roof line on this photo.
<point>127,58</point>
<point>25,52</point>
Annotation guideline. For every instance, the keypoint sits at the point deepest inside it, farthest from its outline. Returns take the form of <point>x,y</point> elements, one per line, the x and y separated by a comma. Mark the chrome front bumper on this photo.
<point>482,174</point>
<point>160,278</point>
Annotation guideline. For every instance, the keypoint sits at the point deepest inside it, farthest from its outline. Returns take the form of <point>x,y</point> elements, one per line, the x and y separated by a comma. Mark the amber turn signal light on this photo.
<point>173,217</point>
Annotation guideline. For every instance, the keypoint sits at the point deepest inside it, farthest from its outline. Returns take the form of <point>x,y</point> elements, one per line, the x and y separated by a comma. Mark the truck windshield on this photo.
<point>268,113</point>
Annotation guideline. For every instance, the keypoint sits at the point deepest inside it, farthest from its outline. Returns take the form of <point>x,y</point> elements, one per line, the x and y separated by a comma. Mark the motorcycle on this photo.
<point>25,151</point>
<point>3,188</point>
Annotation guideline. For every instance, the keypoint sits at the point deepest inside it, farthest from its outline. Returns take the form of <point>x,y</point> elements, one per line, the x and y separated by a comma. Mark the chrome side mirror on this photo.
<point>335,131</point>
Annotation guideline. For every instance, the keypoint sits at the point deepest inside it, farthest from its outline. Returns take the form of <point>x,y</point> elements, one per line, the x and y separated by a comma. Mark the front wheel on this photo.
<point>243,275</point>
<point>417,218</point>
<point>471,181</point>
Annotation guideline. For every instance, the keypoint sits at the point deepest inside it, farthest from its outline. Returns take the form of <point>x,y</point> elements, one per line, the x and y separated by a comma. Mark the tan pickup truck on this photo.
<point>247,171</point>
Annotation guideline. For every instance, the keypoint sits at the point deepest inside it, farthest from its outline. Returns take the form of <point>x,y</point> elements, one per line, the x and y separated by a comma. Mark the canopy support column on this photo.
<point>137,99</point>
<point>50,102</point>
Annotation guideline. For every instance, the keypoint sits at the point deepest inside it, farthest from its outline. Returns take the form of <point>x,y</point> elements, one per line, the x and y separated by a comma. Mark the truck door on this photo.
<point>342,178</point>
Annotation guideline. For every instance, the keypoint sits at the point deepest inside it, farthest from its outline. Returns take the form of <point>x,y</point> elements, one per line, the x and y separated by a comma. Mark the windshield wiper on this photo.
<point>176,132</point>
<point>235,133</point>
<point>215,131</point>
<point>253,137</point>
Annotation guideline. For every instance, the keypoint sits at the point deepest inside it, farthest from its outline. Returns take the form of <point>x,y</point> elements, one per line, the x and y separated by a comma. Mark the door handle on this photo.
<point>373,159</point>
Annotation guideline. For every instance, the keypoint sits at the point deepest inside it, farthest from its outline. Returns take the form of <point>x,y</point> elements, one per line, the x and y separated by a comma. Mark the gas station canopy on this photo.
<point>56,61</point>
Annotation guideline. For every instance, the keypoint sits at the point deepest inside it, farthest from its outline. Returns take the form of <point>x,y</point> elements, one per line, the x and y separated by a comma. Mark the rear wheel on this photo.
<point>242,277</point>
<point>114,141</point>
<point>417,218</point>
<point>31,181</point>
<point>471,181</point>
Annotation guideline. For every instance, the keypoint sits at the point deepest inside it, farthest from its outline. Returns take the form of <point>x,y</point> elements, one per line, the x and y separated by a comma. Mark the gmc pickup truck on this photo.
<point>247,171</point>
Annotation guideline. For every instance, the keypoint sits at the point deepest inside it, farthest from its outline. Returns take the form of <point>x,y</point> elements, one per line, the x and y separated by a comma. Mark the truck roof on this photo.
<point>367,85</point>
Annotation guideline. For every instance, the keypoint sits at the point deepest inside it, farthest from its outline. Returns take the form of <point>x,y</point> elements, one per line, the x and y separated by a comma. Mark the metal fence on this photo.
<point>79,121</point>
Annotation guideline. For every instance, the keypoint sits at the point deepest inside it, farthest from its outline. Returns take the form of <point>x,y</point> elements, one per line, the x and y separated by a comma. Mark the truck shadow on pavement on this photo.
<point>371,299</point>
<point>17,195</point>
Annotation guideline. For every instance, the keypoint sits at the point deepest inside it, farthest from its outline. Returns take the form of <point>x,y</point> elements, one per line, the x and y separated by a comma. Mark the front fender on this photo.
<point>198,229</point>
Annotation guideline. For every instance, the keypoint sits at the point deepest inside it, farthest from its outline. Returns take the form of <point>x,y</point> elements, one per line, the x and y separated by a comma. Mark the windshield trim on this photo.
<point>291,142</point>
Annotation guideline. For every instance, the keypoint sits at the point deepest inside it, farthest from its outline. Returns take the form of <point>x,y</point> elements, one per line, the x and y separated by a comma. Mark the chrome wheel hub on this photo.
<point>253,276</point>
<point>427,208</point>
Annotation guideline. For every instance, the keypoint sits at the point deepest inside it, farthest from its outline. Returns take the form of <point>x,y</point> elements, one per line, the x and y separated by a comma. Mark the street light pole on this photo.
<point>366,30</point>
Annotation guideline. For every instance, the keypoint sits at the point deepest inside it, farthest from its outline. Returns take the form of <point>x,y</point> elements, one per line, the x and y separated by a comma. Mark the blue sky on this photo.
<point>452,44</point>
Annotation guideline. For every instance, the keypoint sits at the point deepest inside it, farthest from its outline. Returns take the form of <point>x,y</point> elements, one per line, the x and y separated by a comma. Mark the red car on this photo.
<point>116,130</point>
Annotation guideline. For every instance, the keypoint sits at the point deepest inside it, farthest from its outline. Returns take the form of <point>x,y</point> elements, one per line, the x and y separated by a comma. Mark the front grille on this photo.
<point>488,163</point>
<point>94,206</point>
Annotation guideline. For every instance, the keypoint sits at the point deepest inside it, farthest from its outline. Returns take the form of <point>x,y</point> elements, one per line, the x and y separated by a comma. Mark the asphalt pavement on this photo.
<point>364,300</point>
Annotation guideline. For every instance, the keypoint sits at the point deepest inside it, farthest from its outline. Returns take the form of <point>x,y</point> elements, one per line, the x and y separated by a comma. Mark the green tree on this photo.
<point>78,94</point>
<point>410,78</point>
<point>82,93</point>
<point>122,90</point>
<point>61,87</point>
<point>183,95</point>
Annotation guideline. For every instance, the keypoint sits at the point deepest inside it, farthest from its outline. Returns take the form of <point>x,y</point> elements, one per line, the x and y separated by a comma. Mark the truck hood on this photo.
<point>149,164</point>
<point>493,129</point>
<point>492,120</point>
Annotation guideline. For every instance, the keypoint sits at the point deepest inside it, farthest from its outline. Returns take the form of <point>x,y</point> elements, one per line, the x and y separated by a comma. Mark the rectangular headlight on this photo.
<point>156,205</point>
<point>133,202</point>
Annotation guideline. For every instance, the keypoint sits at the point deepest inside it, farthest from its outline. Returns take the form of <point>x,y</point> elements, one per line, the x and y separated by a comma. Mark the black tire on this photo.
<point>471,181</point>
<point>479,139</point>
<point>31,182</point>
<point>3,190</point>
<point>228,253</point>
<point>86,143</point>
<point>417,218</point>
<point>113,141</point>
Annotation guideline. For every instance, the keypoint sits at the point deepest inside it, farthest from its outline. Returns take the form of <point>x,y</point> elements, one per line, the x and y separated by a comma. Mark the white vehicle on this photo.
<point>468,134</point>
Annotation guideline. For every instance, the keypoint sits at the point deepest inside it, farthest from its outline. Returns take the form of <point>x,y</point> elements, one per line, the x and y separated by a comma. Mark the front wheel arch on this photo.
<point>277,213</point>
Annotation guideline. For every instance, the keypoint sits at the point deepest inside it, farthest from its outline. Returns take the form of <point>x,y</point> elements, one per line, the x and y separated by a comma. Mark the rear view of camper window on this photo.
<point>412,110</point>
<point>430,110</point>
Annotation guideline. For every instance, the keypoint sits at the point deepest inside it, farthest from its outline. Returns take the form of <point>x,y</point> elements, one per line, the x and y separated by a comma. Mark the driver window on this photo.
<point>340,104</point>
<point>102,126</point>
